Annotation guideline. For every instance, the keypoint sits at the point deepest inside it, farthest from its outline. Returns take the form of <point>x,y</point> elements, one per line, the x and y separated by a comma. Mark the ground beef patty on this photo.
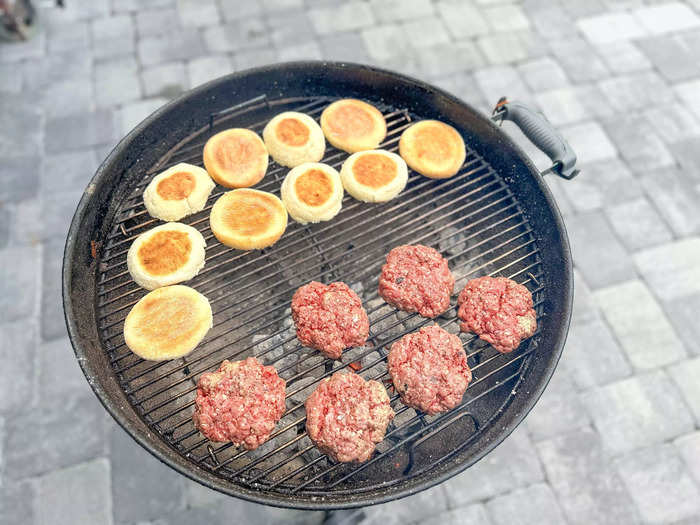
<point>416,279</point>
<point>241,402</point>
<point>329,318</point>
<point>498,310</point>
<point>429,369</point>
<point>347,416</point>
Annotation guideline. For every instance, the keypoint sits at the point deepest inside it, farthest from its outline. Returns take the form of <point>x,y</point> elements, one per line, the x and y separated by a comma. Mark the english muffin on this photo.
<point>167,254</point>
<point>312,192</point>
<point>374,175</point>
<point>353,125</point>
<point>236,158</point>
<point>293,138</point>
<point>248,219</point>
<point>433,148</point>
<point>177,192</point>
<point>167,323</point>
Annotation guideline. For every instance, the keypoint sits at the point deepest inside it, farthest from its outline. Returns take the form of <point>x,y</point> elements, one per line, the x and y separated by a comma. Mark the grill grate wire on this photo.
<point>472,218</point>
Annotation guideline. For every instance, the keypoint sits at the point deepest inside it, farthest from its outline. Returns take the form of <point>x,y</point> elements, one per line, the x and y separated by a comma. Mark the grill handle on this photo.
<point>542,134</point>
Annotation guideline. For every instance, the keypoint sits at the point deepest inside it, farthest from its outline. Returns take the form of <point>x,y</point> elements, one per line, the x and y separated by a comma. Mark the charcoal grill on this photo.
<point>495,217</point>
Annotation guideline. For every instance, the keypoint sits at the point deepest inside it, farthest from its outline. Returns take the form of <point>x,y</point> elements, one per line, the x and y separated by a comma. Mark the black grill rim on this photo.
<point>82,333</point>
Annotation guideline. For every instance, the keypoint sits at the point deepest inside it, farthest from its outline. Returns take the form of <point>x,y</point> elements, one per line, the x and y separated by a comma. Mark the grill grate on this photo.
<point>472,218</point>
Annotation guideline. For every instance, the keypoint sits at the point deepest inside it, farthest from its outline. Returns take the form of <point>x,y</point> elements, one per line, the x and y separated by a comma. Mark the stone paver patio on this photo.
<point>615,438</point>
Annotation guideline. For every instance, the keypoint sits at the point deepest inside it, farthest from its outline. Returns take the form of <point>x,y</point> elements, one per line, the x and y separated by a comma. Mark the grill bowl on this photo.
<point>495,217</point>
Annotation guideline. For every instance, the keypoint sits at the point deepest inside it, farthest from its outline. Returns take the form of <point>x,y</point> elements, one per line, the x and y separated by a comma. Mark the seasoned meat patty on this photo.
<point>498,310</point>
<point>416,278</point>
<point>329,317</point>
<point>347,416</point>
<point>240,402</point>
<point>429,369</point>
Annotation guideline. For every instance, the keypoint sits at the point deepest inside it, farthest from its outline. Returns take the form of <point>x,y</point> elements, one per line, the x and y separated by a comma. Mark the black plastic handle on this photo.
<point>542,134</point>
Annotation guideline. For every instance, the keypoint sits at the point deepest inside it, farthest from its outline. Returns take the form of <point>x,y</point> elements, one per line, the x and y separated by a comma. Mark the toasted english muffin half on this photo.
<point>353,125</point>
<point>178,192</point>
<point>248,219</point>
<point>167,323</point>
<point>312,192</point>
<point>433,148</point>
<point>374,175</point>
<point>294,138</point>
<point>167,254</point>
<point>236,158</point>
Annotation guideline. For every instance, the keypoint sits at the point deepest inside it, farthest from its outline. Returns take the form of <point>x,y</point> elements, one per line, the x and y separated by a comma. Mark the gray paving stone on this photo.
<point>432,31</point>
<point>24,223</point>
<point>6,216</point>
<point>471,515</point>
<point>513,46</point>
<point>204,69</point>
<point>20,126</point>
<point>143,488</point>
<point>623,57</point>
<point>125,6</point>
<point>685,375</point>
<point>682,312</point>
<point>78,10</point>
<point>592,356</point>
<point>397,10</point>
<point>345,17</point>
<point>585,309</point>
<point>672,270</point>
<point>550,20</point>
<point>17,51</point>
<point>450,58</point>
<point>18,286</point>
<point>638,142</point>
<point>534,504</point>
<point>306,51</point>
<point>687,91</point>
<point>497,81</point>
<point>463,20</point>
<point>687,154</point>
<point>589,490</point>
<point>18,348</point>
<point>155,22</point>
<point>602,183</point>
<point>59,374</point>
<point>415,508</point>
<point>236,10</point>
<point>53,324</point>
<point>676,197</point>
<point>511,465</point>
<point>58,210</point>
<point>673,16</point>
<point>67,97</point>
<point>345,47</point>
<point>590,142</point>
<point>79,131</point>
<point>636,91</point>
<point>170,47</point>
<point>542,74</point>
<point>672,56</point>
<point>558,410</point>
<point>638,224</point>
<point>578,59</point>
<point>561,106</point>
<point>60,441</point>
<point>506,17</point>
<point>386,42</point>
<point>689,449</point>
<point>640,326</point>
<point>130,115</point>
<point>464,86</point>
<point>659,483</point>
<point>113,37</point>
<point>680,129</point>
<point>74,65</point>
<point>17,502</point>
<point>281,5</point>
<point>10,78</point>
<point>78,494</point>
<point>68,36</point>
<point>117,81</point>
<point>290,28</point>
<point>597,253</point>
<point>235,36</point>
<point>198,13</point>
<point>248,58</point>
<point>68,171</point>
<point>638,412</point>
<point>20,177</point>
<point>597,29</point>
<point>166,80</point>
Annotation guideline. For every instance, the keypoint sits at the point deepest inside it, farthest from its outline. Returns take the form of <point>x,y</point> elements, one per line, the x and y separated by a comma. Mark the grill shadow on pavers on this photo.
<point>495,217</point>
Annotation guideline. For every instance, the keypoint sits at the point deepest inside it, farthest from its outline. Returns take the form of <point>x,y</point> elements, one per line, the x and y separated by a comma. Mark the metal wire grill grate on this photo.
<point>472,218</point>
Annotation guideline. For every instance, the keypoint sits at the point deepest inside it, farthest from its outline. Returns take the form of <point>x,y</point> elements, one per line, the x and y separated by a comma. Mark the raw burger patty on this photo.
<point>429,369</point>
<point>498,310</point>
<point>241,402</point>
<point>329,318</point>
<point>416,279</point>
<point>347,416</point>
